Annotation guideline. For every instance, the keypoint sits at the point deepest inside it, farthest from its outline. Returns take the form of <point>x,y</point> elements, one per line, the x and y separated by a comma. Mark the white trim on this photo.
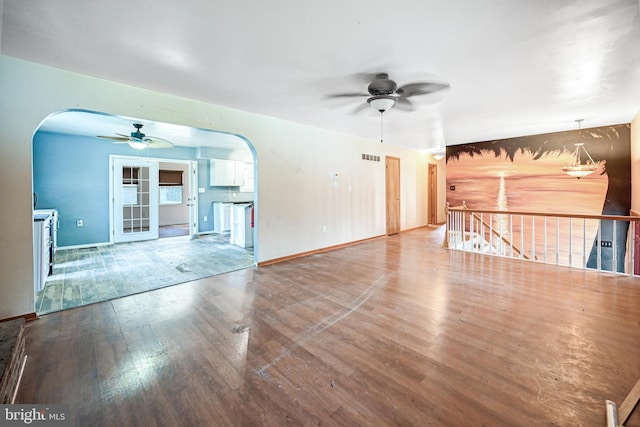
<point>193,199</point>
<point>117,203</point>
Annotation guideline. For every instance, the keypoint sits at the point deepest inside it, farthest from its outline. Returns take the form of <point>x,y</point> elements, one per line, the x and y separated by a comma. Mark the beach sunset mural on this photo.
<point>524,184</point>
<point>525,174</point>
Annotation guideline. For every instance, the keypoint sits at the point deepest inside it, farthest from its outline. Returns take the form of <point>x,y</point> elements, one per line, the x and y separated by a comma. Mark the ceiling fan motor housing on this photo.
<point>382,85</point>
<point>137,134</point>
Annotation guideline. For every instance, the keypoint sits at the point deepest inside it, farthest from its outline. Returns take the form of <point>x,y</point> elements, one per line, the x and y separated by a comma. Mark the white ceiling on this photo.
<point>515,67</point>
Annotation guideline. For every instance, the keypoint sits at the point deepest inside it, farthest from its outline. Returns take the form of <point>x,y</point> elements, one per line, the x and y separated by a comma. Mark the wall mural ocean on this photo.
<point>525,174</point>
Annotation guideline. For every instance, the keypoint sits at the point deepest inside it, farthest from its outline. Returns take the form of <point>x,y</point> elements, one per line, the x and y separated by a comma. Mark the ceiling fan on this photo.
<point>384,93</point>
<point>139,140</point>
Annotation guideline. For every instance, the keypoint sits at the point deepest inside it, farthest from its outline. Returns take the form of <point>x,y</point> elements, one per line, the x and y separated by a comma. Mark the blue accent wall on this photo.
<point>71,174</point>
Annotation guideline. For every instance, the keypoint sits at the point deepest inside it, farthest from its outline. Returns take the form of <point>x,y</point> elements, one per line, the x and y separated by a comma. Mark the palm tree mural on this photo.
<point>608,144</point>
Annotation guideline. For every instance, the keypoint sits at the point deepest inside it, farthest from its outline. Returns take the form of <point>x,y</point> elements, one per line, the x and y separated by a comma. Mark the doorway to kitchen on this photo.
<point>75,174</point>
<point>153,198</point>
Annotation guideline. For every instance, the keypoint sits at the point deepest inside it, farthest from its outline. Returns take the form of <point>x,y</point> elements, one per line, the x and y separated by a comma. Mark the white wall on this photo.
<point>296,195</point>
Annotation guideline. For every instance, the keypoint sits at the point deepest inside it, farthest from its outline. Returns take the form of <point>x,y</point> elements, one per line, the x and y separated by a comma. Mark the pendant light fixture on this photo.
<point>577,168</point>
<point>438,154</point>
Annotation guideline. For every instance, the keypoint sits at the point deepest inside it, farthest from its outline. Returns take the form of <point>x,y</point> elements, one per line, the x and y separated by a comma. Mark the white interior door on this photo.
<point>192,201</point>
<point>135,199</point>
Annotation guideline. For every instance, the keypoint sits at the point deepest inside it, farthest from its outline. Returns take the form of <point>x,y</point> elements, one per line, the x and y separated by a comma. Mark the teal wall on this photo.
<point>71,174</point>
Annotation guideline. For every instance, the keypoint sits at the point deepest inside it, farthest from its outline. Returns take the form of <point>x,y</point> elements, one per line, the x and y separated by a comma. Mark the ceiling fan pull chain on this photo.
<point>381,127</point>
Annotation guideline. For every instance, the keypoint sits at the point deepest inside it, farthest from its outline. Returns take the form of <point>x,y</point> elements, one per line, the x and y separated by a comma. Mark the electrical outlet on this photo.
<point>79,223</point>
<point>324,228</point>
<point>206,218</point>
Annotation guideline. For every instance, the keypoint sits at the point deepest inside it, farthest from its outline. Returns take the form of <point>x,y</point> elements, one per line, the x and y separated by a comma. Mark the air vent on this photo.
<point>370,158</point>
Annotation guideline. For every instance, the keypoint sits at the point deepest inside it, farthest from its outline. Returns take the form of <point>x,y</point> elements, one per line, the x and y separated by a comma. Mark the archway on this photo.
<point>73,174</point>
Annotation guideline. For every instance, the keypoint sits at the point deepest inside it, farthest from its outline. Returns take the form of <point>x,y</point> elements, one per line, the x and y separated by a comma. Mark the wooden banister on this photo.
<point>548,214</point>
<point>464,208</point>
<point>497,234</point>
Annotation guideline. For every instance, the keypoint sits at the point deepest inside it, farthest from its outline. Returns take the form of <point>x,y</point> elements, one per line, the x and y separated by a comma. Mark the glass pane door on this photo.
<point>135,200</point>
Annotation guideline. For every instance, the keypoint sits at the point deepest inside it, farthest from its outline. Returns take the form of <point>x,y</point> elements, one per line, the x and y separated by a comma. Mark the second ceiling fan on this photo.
<point>139,140</point>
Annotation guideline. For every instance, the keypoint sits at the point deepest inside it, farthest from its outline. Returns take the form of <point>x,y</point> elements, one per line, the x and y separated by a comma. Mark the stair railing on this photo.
<point>601,242</point>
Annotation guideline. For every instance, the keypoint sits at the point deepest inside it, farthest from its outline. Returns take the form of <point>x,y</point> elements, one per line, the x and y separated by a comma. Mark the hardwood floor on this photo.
<point>392,332</point>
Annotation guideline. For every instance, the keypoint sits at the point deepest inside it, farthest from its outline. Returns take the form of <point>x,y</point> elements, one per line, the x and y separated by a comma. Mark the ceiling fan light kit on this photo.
<point>138,145</point>
<point>381,103</point>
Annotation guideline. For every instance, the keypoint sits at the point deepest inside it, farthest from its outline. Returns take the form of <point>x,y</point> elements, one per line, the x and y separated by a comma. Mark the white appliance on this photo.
<point>241,227</point>
<point>45,229</point>
<point>221,217</point>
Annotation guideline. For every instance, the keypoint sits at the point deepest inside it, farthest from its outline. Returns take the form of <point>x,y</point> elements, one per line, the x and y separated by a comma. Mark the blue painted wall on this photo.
<point>71,174</point>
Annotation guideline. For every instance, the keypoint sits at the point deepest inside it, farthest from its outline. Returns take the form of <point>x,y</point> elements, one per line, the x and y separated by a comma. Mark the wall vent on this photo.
<point>370,158</point>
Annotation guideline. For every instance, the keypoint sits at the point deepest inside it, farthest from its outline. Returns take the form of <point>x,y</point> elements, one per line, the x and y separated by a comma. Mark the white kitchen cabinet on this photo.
<point>241,230</point>
<point>222,217</point>
<point>226,173</point>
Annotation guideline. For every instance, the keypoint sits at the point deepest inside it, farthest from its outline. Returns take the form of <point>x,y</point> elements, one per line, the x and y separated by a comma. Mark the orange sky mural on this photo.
<point>532,185</point>
<point>524,174</point>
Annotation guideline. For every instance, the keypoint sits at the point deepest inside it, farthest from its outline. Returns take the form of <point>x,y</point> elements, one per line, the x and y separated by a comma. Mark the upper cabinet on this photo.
<point>227,173</point>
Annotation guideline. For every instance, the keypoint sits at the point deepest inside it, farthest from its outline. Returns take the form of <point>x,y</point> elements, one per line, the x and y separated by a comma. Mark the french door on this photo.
<point>135,199</point>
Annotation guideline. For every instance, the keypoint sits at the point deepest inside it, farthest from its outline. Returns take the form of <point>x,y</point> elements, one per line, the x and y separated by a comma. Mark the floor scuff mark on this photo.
<point>325,323</point>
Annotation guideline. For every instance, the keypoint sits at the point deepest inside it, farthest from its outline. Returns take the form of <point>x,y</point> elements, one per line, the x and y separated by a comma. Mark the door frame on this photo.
<point>116,164</point>
<point>392,206</point>
<point>193,190</point>
<point>432,196</point>
<point>192,199</point>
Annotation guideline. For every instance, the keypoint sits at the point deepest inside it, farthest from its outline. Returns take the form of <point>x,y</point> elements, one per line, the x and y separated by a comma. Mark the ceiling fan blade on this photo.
<point>367,78</point>
<point>360,108</point>
<point>413,89</point>
<point>114,138</point>
<point>155,142</point>
<point>348,95</point>
<point>404,104</point>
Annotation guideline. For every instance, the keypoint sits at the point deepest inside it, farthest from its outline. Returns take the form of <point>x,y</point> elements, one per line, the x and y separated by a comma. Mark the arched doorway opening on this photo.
<point>110,205</point>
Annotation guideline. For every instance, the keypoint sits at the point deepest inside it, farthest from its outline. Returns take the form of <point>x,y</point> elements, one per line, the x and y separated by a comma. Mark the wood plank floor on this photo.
<point>392,332</point>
